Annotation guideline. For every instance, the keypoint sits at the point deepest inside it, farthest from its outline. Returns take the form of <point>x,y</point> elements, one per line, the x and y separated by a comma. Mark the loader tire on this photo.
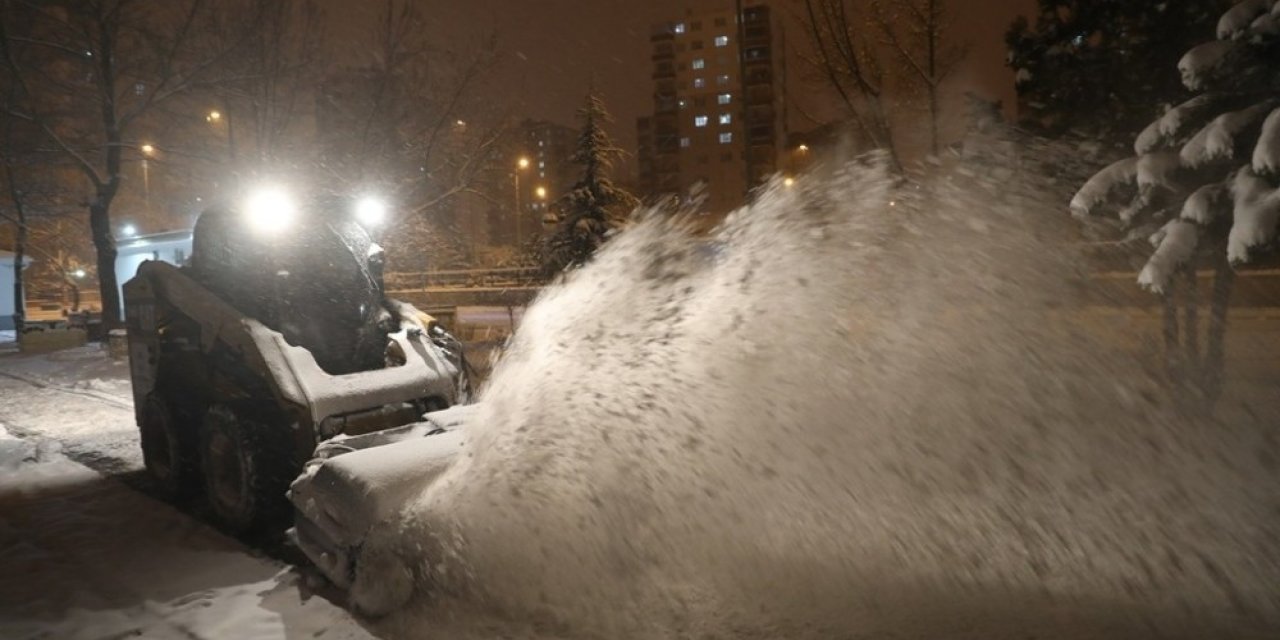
<point>168,450</point>
<point>246,473</point>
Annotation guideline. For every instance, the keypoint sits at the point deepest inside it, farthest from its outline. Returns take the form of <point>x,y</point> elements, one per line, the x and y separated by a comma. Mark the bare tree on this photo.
<point>88,74</point>
<point>409,122</point>
<point>916,33</point>
<point>849,64</point>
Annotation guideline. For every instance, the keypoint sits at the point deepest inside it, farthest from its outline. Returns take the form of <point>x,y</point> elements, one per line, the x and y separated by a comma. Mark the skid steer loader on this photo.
<point>277,337</point>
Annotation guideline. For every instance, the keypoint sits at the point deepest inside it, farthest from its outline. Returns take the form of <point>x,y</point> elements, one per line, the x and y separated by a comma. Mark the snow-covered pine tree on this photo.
<point>594,206</point>
<point>1086,66</point>
<point>1207,171</point>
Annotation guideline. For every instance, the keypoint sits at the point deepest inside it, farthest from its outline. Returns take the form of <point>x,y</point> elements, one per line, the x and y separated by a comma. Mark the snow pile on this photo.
<point>857,410</point>
<point>83,557</point>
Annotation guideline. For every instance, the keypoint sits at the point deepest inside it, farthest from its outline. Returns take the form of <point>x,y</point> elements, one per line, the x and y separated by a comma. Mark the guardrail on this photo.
<point>513,277</point>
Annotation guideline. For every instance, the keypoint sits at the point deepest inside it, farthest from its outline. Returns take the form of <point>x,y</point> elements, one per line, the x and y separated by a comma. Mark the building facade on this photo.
<point>536,170</point>
<point>719,112</point>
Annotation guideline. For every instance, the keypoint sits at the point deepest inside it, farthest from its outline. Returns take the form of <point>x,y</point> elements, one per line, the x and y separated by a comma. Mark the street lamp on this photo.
<point>128,230</point>
<point>148,151</point>
<point>215,118</point>
<point>522,163</point>
<point>541,192</point>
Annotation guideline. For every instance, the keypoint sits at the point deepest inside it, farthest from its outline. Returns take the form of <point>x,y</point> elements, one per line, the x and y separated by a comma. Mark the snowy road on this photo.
<point>82,555</point>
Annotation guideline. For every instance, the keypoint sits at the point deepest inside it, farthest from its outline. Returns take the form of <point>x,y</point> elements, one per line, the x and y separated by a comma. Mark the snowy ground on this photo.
<point>83,554</point>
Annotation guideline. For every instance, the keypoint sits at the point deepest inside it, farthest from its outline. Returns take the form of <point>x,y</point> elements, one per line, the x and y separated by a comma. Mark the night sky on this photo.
<point>552,48</point>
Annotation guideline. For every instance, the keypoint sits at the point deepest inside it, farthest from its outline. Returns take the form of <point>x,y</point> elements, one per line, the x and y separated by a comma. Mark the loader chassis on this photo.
<point>231,407</point>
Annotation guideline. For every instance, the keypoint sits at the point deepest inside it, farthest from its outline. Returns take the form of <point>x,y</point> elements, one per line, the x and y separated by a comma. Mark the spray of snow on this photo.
<point>838,418</point>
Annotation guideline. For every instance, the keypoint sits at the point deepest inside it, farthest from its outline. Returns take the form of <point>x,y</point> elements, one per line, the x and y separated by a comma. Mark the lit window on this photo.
<point>725,118</point>
<point>726,138</point>
<point>700,121</point>
<point>699,83</point>
<point>724,98</point>
<point>543,165</point>
<point>722,78</point>
<point>679,28</point>
<point>722,41</point>
<point>699,64</point>
<point>684,142</point>
<point>539,143</point>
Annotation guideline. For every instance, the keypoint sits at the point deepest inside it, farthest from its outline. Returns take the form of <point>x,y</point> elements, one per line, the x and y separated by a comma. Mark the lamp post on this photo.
<point>148,151</point>
<point>521,164</point>
<point>216,118</point>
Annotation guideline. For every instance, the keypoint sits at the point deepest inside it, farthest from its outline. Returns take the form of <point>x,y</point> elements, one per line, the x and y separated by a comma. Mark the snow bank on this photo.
<point>843,418</point>
<point>83,557</point>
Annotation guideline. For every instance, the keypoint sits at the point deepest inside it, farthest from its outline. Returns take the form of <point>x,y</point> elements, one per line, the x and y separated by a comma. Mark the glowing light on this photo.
<point>79,273</point>
<point>788,181</point>
<point>371,212</point>
<point>541,192</point>
<point>802,148</point>
<point>214,116</point>
<point>270,210</point>
<point>147,149</point>
<point>128,231</point>
<point>523,163</point>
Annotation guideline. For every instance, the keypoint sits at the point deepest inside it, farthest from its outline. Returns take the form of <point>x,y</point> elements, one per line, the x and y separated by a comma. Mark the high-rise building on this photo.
<point>719,112</point>
<point>536,170</point>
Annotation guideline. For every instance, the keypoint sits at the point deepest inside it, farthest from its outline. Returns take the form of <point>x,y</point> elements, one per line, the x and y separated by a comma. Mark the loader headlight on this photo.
<point>370,211</point>
<point>270,210</point>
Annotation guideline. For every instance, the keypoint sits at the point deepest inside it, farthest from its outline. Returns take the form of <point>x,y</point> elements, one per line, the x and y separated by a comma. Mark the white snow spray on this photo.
<point>862,408</point>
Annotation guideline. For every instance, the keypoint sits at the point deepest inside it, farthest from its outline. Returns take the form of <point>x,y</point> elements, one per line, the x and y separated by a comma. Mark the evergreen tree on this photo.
<point>1088,65</point>
<point>1208,173</point>
<point>594,206</point>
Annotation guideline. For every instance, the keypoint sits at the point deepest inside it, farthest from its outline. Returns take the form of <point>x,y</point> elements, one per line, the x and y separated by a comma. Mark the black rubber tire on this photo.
<point>168,450</point>
<point>246,473</point>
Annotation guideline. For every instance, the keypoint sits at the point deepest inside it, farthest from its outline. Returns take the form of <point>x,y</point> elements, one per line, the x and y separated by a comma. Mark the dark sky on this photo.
<point>552,48</point>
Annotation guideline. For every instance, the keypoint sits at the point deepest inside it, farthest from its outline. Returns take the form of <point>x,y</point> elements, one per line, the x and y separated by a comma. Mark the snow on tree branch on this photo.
<point>1175,245</point>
